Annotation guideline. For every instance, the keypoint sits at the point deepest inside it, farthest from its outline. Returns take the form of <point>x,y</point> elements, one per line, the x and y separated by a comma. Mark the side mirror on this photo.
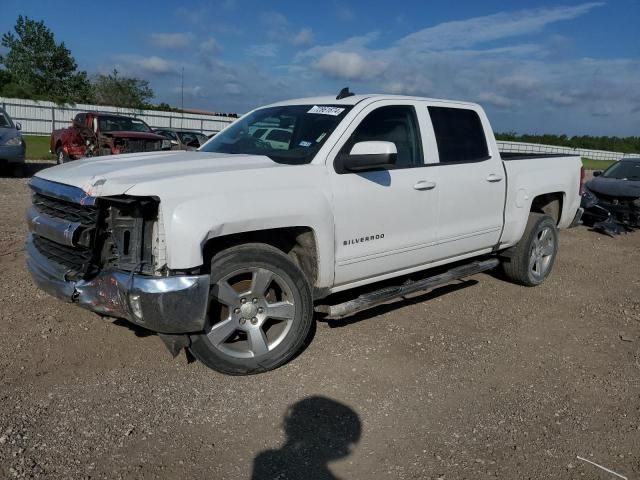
<point>366,156</point>
<point>597,173</point>
<point>18,126</point>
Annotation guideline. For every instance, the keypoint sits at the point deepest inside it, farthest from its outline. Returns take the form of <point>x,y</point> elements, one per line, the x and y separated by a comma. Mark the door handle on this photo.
<point>494,177</point>
<point>424,185</point>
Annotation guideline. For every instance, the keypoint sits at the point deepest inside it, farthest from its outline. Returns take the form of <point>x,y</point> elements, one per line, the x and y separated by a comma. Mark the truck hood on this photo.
<point>614,187</point>
<point>116,174</point>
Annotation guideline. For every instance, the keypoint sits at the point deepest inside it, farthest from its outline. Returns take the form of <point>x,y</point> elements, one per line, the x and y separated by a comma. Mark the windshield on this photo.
<point>623,170</point>
<point>290,134</point>
<point>123,124</point>
<point>5,122</point>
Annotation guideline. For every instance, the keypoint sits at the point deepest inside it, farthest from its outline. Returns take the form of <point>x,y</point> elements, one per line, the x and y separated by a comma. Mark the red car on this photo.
<point>94,134</point>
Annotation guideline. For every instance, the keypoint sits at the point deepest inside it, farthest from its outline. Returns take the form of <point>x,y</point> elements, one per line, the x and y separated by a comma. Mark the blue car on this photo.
<point>12,146</point>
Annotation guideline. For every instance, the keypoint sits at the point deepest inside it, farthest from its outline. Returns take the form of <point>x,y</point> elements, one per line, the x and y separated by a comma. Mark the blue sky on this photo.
<point>536,66</point>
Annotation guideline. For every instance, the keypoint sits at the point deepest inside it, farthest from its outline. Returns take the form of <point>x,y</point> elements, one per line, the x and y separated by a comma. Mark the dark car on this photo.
<point>12,146</point>
<point>183,139</point>
<point>613,196</point>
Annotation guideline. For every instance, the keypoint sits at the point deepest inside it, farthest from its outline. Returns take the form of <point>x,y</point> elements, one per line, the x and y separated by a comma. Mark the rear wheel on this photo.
<point>530,262</point>
<point>260,311</point>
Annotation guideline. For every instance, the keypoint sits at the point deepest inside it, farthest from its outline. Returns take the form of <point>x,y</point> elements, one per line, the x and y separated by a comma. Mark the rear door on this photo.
<point>471,181</point>
<point>385,221</point>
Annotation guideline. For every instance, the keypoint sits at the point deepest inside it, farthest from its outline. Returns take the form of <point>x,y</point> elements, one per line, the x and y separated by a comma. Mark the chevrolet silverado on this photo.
<point>228,251</point>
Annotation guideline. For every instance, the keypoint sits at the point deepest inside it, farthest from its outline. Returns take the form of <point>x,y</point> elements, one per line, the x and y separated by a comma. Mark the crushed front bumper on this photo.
<point>173,305</point>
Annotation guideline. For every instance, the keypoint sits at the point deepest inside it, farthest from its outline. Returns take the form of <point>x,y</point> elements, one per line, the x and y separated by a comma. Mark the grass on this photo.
<point>596,164</point>
<point>37,147</point>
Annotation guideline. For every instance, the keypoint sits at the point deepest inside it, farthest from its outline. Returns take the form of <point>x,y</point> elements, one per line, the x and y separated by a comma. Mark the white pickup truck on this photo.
<point>228,250</point>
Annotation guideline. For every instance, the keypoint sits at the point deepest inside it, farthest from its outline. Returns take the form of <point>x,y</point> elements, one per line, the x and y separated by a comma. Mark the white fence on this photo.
<point>41,118</point>
<point>521,147</point>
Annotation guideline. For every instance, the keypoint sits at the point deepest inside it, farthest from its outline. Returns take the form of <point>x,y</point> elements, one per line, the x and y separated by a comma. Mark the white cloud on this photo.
<point>279,30</point>
<point>190,91</point>
<point>477,60</point>
<point>210,46</point>
<point>495,99</point>
<point>276,24</point>
<point>263,50</point>
<point>348,65</point>
<point>303,38</point>
<point>136,65</point>
<point>157,65</point>
<point>467,33</point>
<point>533,85</point>
<point>171,40</point>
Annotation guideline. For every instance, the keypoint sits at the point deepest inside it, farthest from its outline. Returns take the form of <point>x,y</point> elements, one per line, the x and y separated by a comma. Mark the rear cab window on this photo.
<point>459,135</point>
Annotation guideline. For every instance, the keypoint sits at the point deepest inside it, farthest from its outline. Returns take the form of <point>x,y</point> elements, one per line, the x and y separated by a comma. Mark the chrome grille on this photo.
<point>72,212</point>
<point>75,259</point>
<point>64,205</point>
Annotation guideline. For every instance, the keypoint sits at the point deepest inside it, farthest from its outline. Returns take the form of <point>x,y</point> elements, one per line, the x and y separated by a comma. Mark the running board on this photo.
<point>387,294</point>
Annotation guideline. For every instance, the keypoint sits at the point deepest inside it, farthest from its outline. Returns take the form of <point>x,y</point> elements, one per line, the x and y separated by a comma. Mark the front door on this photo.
<point>385,221</point>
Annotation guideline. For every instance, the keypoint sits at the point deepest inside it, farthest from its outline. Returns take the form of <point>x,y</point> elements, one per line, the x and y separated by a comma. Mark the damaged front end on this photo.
<point>106,254</point>
<point>136,145</point>
<point>609,214</point>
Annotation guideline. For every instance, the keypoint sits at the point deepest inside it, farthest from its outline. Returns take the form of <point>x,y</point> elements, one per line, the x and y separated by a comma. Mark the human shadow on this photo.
<point>318,431</point>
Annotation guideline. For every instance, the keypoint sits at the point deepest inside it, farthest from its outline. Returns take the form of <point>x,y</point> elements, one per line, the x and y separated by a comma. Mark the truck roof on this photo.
<point>354,99</point>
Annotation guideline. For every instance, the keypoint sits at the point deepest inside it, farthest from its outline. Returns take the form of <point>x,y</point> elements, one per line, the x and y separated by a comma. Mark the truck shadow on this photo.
<point>400,303</point>
<point>318,431</point>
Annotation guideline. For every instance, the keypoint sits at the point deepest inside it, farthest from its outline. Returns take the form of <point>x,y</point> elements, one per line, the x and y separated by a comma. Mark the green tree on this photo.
<point>40,68</point>
<point>121,91</point>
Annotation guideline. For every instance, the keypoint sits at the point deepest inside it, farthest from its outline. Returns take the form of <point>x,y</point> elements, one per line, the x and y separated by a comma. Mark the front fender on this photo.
<point>189,224</point>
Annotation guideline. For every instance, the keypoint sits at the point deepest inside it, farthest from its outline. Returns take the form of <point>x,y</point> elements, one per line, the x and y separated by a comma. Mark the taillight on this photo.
<point>582,177</point>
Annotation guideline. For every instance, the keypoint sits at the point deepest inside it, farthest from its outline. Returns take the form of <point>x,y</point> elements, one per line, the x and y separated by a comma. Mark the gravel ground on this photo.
<point>484,379</point>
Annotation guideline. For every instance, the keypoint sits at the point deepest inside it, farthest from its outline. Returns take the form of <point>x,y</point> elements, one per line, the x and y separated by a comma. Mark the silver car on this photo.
<point>12,145</point>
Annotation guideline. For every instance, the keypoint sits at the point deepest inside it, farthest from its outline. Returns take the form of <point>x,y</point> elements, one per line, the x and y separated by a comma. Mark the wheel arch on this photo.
<point>550,204</point>
<point>299,243</point>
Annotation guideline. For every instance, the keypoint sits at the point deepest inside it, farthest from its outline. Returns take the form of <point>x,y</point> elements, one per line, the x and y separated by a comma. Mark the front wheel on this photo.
<point>61,157</point>
<point>531,260</point>
<point>260,311</point>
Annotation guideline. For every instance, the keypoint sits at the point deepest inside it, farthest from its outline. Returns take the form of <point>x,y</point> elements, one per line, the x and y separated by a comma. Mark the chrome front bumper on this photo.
<point>174,304</point>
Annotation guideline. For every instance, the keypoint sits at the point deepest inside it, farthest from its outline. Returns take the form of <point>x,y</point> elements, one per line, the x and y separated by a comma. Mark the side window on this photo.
<point>459,135</point>
<point>259,133</point>
<point>80,119</point>
<point>397,124</point>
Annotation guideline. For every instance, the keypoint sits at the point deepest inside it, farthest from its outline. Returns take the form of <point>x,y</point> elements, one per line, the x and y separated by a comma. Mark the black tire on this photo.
<point>61,157</point>
<point>235,354</point>
<point>519,264</point>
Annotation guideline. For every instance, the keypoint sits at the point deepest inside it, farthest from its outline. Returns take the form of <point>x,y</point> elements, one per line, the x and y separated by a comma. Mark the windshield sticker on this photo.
<point>324,110</point>
<point>304,144</point>
<point>322,135</point>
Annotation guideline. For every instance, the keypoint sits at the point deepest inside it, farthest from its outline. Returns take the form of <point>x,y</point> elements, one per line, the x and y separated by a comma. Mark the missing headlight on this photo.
<point>127,234</point>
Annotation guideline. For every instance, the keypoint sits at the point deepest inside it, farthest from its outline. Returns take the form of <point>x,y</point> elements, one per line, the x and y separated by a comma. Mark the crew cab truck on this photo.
<point>93,134</point>
<point>227,251</point>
